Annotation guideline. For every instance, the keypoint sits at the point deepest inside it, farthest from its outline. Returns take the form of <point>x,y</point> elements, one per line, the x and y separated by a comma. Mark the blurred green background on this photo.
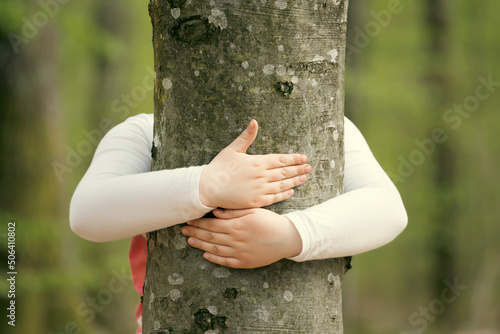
<point>421,84</point>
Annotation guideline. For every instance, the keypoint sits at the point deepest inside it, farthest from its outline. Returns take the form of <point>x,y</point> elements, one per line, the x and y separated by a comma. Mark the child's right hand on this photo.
<point>236,180</point>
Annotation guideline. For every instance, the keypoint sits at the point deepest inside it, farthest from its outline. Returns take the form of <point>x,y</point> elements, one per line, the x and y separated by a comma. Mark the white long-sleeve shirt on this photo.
<point>121,197</point>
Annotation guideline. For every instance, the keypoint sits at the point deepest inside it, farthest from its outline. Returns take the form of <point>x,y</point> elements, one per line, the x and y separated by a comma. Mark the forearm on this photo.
<point>352,223</point>
<point>129,205</point>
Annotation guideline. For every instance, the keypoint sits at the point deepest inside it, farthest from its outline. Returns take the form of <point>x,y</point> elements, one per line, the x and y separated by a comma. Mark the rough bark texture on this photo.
<point>219,64</point>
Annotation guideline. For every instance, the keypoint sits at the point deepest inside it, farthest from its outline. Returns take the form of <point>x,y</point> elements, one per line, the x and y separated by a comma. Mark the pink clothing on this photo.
<point>137,257</point>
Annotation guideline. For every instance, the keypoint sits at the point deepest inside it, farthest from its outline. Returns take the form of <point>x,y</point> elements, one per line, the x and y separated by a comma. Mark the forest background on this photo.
<point>422,84</point>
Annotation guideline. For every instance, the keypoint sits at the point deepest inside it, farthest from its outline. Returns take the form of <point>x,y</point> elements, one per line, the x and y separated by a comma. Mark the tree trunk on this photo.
<point>219,64</point>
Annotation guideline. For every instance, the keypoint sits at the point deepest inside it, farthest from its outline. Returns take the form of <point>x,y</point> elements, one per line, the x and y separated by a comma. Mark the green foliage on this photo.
<point>395,85</point>
<point>11,14</point>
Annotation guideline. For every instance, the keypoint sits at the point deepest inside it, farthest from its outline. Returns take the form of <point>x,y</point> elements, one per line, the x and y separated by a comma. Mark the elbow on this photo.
<point>399,218</point>
<point>82,224</point>
<point>402,220</point>
<point>392,214</point>
<point>78,225</point>
<point>82,227</point>
<point>395,210</point>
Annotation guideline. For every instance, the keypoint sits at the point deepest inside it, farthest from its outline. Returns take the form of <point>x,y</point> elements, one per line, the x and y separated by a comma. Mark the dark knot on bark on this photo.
<point>176,3</point>
<point>192,29</point>
<point>284,87</point>
<point>206,320</point>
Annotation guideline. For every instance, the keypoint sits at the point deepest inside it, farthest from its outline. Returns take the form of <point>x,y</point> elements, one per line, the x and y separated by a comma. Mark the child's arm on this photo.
<point>368,215</point>
<point>120,197</point>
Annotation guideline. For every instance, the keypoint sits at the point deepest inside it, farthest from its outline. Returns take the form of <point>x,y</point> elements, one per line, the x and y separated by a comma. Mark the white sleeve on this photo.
<point>120,196</point>
<point>368,215</point>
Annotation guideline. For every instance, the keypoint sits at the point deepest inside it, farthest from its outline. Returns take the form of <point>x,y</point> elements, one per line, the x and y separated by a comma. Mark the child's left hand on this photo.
<point>247,238</point>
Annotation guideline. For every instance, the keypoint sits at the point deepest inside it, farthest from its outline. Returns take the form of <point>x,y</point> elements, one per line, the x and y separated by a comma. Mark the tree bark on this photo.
<point>219,64</point>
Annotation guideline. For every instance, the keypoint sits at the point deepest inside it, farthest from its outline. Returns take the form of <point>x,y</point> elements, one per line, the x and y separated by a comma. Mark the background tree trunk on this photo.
<point>440,86</point>
<point>219,64</point>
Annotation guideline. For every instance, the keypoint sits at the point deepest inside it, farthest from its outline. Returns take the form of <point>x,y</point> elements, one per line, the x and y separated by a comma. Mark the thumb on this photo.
<point>246,138</point>
<point>230,213</point>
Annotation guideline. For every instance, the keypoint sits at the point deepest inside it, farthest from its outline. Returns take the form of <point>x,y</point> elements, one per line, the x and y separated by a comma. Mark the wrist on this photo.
<point>204,189</point>
<point>293,243</point>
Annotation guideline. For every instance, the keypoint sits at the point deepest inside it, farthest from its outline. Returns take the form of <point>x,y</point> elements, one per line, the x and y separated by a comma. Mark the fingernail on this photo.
<point>308,169</point>
<point>290,192</point>
<point>304,158</point>
<point>219,211</point>
<point>251,126</point>
<point>302,178</point>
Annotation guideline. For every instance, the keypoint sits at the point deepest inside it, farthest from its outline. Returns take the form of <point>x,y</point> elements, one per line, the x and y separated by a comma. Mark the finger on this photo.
<point>278,174</point>
<point>246,138</point>
<point>231,213</point>
<point>284,185</point>
<point>206,235</point>
<point>215,249</point>
<point>283,160</point>
<point>210,224</point>
<point>223,261</point>
<point>277,197</point>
